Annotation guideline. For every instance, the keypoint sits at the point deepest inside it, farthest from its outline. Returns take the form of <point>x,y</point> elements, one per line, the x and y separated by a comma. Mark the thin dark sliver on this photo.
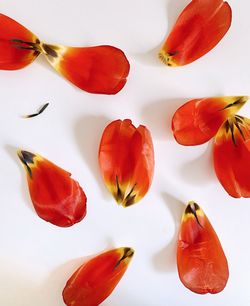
<point>42,109</point>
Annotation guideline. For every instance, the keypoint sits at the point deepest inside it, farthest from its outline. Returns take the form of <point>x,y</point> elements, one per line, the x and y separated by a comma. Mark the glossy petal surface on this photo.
<point>197,121</point>
<point>94,281</point>
<point>11,56</point>
<point>202,265</point>
<point>100,69</point>
<point>232,156</point>
<point>56,197</point>
<point>126,158</point>
<point>199,28</point>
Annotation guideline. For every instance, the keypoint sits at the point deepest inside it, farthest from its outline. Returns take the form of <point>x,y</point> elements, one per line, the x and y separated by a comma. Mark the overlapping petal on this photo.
<point>198,120</point>
<point>13,54</point>
<point>232,156</point>
<point>94,281</point>
<point>56,197</point>
<point>126,158</point>
<point>202,264</point>
<point>199,28</point>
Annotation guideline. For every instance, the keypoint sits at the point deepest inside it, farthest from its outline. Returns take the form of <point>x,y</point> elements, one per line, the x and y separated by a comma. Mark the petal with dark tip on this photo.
<point>16,45</point>
<point>232,156</point>
<point>126,158</point>
<point>56,197</point>
<point>199,28</point>
<point>99,69</point>
<point>201,262</point>
<point>95,280</point>
<point>198,120</point>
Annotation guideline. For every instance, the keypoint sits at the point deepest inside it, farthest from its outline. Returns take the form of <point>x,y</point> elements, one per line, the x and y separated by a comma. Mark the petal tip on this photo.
<point>128,252</point>
<point>26,157</point>
<point>166,58</point>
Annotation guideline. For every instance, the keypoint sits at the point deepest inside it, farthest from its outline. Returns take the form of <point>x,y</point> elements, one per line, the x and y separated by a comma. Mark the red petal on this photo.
<point>100,69</point>
<point>94,281</point>
<point>199,28</point>
<point>11,57</point>
<point>56,197</point>
<point>197,121</point>
<point>201,261</point>
<point>232,156</point>
<point>126,158</point>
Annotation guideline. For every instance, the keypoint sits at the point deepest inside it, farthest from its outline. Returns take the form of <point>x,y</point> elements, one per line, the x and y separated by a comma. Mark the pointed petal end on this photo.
<point>166,58</point>
<point>26,157</point>
<point>194,211</point>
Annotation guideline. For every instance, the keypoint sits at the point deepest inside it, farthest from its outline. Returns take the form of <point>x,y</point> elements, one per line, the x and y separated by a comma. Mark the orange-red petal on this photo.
<point>232,156</point>
<point>126,158</point>
<point>201,262</point>
<point>95,280</point>
<point>197,121</point>
<point>13,54</point>
<point>199,28</point>
<point>56,197</point>
<point>100,69</point>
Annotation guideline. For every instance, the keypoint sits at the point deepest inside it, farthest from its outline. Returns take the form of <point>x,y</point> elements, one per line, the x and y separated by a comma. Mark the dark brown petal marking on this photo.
<point>119,194</point>
<point>235,122</point>
<point>130,198</point>
<point>191,209</point>
<point>49,50</point>
<point>120,197</point>
<point>27,158</point>
<point>128,252</point>
<point>239,101</point>
<point>26,45</point>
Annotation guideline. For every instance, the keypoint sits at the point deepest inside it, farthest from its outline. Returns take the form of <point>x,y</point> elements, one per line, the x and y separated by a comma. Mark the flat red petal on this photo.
<point>12,58</point>
<point>201,261</point>
<point>197,121</point>
<point>199,28</point>
<point>94,281</point>
<point>100,69</point>
<point>126,158</point>
<point>56,197</point>
<point>232,156</point>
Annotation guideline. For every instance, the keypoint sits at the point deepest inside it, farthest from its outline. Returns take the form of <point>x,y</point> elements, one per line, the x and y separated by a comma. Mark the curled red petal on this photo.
<point>56,197</point>
<point>100,69</point>
<point>199,28</point>
<point>201,262</point>
<point>232,156</point>
<point>197,121</point>
<point>126,158</point>
<point>95,280</point>
<point>13,53</point>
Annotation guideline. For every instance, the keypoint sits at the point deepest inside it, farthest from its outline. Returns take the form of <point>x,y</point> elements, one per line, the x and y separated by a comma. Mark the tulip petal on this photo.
<point>94,281</point>
<point>197,121</point>
<point>199,28</point>
<point>56,197</point>
<point>16,45</point>
<point>202,264</point>
<point>232,156</point>
<point>100,69</point>
<point>126,158</point>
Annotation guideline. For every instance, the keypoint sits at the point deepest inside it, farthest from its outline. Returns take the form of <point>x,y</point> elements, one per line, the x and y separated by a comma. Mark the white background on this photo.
<point>37,258</point>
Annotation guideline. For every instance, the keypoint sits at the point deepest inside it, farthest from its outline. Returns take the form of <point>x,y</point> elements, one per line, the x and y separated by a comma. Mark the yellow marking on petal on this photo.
<point>29,160</point>
<point>166,58</point>
<point>124,194</point>
<point>234,103</point>
<point>53,60</point>
<point>126,254</point>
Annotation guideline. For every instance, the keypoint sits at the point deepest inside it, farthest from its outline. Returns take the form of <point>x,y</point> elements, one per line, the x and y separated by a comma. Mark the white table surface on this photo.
<point>37,258</point>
